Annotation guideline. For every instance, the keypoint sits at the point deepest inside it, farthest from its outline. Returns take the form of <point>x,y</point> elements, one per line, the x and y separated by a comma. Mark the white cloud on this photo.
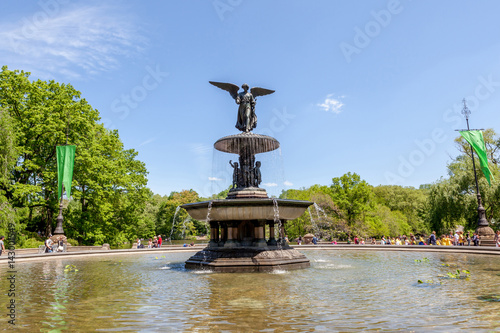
<point>147,142</point>
<point>70,41</point>
<point>270,184</point>
<point>215,179</point>
<point>287,183</point>
<point>201,149</point>
<point>332,104</point>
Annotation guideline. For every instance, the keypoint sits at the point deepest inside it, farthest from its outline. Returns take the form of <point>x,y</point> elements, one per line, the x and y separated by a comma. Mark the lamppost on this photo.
<point>59,226</point>
<point>483,229</point>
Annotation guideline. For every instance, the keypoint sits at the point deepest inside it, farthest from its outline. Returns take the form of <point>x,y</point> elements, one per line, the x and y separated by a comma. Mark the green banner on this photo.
<point>476,140</point>
<point>65,163</point>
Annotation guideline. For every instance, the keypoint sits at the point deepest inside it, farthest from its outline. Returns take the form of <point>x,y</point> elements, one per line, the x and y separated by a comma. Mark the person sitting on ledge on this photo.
<point>60,243</point>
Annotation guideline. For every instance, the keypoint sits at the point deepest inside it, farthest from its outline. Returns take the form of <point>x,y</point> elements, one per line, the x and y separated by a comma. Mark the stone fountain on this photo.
<point>238,223</point>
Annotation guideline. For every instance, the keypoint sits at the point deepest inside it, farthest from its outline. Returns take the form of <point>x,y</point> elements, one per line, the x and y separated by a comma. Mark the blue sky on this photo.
<point>372,87</point>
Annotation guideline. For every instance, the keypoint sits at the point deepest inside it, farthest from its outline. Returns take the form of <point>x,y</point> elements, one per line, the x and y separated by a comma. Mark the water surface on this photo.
<point>344,291</point>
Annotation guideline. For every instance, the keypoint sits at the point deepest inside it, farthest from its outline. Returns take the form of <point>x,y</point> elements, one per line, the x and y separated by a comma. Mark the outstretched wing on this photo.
<point>256,91</point>
<point>231,88</point>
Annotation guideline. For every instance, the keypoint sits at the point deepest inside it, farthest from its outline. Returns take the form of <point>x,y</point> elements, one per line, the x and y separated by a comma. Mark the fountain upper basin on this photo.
<point>246,209</point>
<point>256,143</point>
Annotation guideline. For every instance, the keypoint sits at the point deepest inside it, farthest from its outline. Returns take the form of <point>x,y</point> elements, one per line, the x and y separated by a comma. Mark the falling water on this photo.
<point>310,215</point>
<point>319,210</point>
<point>207,221</point>
<point>313,222</point>
<point>277,221</point>
<point>184,226</point>
<point>173,223</point>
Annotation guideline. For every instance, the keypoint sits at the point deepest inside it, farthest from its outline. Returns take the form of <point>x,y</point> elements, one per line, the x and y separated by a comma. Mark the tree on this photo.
<point>352,195</point>
<point>409,201</point>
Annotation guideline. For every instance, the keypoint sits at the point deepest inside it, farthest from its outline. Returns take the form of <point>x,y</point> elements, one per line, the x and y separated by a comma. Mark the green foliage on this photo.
<point>70,268</point>
<point>409,201</point>
<point>31,243</point>
<point>109,184</point>
<point>422,260</point>
<point>72,242</point>
<point>453,201</point>
<point>349,206</point>
<point>110,202</point>
<point>352,195</point>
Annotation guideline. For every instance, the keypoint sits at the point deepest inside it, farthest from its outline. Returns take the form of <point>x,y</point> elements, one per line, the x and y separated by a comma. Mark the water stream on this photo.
<point>173,223</point>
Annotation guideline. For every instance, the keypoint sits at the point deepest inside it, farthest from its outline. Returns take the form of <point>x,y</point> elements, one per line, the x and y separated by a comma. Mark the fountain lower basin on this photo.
<point>238,230</point>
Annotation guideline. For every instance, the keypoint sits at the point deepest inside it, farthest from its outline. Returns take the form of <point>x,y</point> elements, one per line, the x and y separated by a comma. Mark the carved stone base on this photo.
<point>238,260</point>
<point>248,192</point>
<point>486,236</point>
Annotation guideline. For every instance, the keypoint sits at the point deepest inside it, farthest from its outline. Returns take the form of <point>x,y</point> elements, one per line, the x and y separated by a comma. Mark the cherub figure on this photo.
<point>236,173</point>
<point>257,178</point>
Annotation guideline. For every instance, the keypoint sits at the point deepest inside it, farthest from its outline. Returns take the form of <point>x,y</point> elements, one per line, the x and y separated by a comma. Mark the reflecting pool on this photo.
<point>342,291</point>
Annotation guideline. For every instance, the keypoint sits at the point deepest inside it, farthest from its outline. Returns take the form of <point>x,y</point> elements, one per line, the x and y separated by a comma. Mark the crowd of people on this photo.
<point>54,246</point>
<point>456,239</point>
<point>153,243</point>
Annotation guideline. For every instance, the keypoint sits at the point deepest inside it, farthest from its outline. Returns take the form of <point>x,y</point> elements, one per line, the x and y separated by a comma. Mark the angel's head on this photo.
<point>245,86</point>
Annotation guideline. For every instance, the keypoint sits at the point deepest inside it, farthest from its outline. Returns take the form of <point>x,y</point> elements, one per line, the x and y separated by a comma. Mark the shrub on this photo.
<point>31,243</point>
<point>72,242</point>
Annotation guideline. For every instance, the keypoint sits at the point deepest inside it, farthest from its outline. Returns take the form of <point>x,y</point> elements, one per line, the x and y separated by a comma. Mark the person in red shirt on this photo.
<point>159,241</point>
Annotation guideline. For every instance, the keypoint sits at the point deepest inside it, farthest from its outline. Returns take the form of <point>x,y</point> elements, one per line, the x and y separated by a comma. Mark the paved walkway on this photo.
<point>480,250</point>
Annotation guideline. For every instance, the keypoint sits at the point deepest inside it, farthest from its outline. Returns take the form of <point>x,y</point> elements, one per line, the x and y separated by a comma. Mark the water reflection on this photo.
<point>342,291</point>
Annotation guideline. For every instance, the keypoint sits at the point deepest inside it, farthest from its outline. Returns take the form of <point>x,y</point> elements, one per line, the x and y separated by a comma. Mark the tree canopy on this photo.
<point>111,203</point>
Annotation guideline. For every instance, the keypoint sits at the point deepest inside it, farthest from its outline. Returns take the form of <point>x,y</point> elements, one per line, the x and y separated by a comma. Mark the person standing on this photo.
<point>48,245</point>
<point>159,241</point>
<point>2,247</point>
<point>432,238</point>
<point>475,239</point>
<point>497,238</point>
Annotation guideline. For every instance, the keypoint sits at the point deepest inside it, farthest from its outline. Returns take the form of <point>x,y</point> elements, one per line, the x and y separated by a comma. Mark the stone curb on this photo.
<point>418,248</point>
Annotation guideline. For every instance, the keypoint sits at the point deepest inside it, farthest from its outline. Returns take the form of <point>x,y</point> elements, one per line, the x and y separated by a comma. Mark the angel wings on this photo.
<point>233,89</point>
<point>247,119</point>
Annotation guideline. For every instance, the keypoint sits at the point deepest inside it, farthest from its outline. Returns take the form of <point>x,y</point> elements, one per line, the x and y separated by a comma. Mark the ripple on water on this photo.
<point>279,271</point>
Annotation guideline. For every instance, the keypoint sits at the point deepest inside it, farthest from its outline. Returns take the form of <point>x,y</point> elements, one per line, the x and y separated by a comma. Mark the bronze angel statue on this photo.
<point>247,119</point>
